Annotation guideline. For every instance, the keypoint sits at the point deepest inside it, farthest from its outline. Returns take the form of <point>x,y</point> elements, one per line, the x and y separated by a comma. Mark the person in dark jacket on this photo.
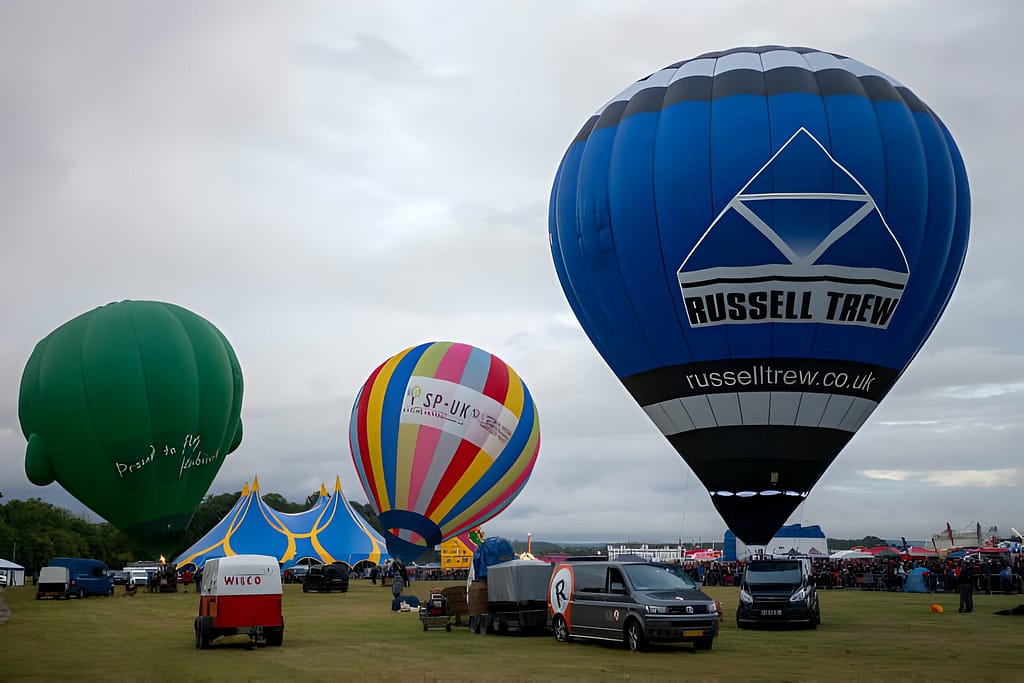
<point>965,582</point>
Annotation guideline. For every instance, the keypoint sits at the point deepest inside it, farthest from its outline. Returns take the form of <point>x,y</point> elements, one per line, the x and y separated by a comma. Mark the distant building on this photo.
<point>457,552</point>
<point>668,553</point>
<point>970,536</point>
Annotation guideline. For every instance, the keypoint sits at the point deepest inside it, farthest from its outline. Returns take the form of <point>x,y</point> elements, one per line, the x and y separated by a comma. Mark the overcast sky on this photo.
<point>330,183</point>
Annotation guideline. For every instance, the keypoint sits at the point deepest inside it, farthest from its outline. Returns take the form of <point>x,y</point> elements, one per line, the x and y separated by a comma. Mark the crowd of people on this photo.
<point>987,575</point>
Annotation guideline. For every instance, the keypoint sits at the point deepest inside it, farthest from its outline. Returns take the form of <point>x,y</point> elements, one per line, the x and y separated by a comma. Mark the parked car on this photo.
<point>295,574</point>
<point>778,591</point>
<point>631,602</point>
<point>323,578</point>
<point>119,577</point>
<point>87,577</point>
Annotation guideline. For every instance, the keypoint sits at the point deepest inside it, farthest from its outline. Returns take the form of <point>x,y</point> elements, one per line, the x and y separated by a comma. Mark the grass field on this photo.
<point>356,636</point>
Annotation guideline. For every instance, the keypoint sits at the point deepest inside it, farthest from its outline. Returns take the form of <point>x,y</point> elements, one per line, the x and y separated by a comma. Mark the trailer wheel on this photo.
<point>275,636</point>
<point>202,633</point>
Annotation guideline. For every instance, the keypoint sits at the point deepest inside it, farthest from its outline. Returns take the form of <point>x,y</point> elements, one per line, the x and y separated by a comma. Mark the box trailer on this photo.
<point>54,582</point>
<point>240,594</point>
<point>517,595</point>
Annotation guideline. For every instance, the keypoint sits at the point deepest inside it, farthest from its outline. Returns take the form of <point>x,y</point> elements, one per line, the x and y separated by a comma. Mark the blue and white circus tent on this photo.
<point>330,531</point>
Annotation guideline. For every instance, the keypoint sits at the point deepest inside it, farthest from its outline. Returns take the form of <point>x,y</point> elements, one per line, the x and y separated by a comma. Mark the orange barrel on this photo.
<point>478,598</point>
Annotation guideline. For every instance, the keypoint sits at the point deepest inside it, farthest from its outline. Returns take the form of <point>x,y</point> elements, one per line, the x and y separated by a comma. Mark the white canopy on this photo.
<point>15,572</point>
<point>850,555</point>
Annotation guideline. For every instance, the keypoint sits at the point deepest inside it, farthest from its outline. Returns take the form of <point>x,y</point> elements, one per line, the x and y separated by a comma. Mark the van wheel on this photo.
<point>635,636</point>
<point>561,629</point>
<point>81,593</point>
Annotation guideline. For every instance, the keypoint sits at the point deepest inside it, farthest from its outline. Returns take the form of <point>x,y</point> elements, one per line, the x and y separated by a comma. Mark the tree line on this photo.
<point>33,531</point>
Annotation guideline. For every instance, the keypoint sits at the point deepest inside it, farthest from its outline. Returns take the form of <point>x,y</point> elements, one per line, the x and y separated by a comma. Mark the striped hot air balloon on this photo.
<point>444,436</point>
<point>758,241</point>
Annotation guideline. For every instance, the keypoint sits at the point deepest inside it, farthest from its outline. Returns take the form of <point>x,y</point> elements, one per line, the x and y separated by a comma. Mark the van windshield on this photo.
<point>650,577</point>
<point>782,572</point>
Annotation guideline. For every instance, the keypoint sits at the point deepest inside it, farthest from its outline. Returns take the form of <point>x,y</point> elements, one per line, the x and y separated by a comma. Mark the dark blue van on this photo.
<point>87,577</point>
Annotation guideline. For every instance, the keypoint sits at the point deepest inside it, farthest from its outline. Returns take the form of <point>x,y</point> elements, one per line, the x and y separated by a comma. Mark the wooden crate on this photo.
<point>457,604</point>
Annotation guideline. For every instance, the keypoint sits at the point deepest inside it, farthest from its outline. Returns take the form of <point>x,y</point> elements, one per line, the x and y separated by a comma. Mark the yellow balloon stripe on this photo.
<point>405,456</point>
<point>516,395</point>
<point>481,463</point>
<point>408,434</point>
<point>374,408</point>
<point>514,472</point>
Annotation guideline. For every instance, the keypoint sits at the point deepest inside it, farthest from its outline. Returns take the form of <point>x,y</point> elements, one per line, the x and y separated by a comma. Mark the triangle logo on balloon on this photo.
<point>815,249</point>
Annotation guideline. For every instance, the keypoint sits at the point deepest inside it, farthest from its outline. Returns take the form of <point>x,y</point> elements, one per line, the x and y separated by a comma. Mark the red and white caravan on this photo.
<point>240,594</point>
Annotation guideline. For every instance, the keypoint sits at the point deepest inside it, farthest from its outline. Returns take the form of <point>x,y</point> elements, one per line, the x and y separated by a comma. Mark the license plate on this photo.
<point>771,613</point>
<point>696,634</point>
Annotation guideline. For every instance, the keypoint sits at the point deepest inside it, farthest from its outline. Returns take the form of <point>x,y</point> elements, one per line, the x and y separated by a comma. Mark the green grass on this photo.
<point>354,635</point>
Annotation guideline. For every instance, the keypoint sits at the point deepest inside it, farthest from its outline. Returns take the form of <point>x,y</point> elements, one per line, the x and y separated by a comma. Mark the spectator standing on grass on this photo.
<point>965,581</point>
<point>398,582</point>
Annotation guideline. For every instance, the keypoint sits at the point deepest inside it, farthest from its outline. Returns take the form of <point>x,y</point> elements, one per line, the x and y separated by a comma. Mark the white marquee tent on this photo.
<point>15,573</point>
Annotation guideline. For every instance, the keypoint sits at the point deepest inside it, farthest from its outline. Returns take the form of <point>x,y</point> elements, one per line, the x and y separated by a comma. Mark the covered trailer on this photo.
<point>54,582</point>
<point>517,595</point>
<point>240,594</point>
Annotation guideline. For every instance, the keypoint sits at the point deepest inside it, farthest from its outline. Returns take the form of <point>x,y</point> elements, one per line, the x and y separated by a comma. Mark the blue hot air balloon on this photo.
<point>758,241</point>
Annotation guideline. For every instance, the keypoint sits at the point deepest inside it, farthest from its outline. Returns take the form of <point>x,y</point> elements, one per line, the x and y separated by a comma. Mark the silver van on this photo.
<point>631,602</point>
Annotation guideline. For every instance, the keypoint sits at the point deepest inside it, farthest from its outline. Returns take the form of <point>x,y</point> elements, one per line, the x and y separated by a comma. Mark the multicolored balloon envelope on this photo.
<point>444,436</point>
<point>758,241</point>
<point>132,407</point>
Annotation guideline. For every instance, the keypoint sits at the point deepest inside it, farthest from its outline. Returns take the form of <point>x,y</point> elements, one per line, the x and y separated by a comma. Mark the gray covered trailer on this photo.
<point>517,595</point>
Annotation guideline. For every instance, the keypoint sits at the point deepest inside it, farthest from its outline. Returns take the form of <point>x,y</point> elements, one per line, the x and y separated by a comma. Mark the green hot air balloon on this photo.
<point>132,407</point>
